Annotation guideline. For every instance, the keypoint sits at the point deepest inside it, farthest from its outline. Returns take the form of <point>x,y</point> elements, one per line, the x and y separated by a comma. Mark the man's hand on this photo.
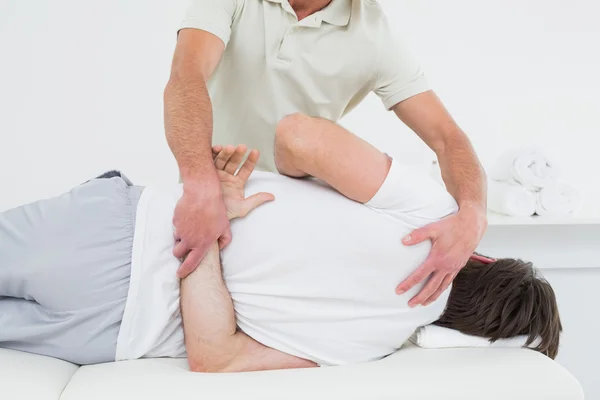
<point>228,161</point>
<point>212,340</point>
<point>200,220</point>
<point>454,240</point>
<point>200,217</point>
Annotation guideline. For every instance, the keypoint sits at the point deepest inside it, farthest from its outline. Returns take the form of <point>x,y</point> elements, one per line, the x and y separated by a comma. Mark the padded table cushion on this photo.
<point>411,373</point>
<point>27,376</point>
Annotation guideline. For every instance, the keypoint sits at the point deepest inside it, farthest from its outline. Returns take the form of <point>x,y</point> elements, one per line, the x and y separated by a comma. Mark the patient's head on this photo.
<point>504,299</point>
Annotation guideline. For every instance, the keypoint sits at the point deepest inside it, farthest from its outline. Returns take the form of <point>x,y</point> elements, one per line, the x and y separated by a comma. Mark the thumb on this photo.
<point>225,239</point>
<point>180,250</point>
<point>255,201</point>
<point>216,150</point>
<point>418,236</point>
<point>190,263</point>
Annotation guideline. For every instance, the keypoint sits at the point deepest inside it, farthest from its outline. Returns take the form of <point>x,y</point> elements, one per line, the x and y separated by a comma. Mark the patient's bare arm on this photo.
<point>212,340</point>
<point>320,148</point>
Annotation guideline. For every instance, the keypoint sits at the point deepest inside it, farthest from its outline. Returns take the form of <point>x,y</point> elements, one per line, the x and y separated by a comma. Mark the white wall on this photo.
<point>568,256</point>
<point>576,291</point>
<point>512,72</point>
<point>81,87</point>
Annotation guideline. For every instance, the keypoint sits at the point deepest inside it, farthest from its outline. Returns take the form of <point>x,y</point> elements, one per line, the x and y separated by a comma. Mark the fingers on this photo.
<point>445,283</point>
<point>190,263</point>
<point>236,159</point>
<point>428,290</point>
<point>420,235</point>
<point>229,158</point>
<point>180,249</point>
<point>216,150</point>
<point>225,239</point>
<point>416,277</point>
<point>223,157</point>
<point>255,201</point>
<point>246,170</point>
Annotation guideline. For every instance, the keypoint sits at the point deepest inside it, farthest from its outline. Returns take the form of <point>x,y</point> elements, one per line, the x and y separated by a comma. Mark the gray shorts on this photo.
<point>65,264</point>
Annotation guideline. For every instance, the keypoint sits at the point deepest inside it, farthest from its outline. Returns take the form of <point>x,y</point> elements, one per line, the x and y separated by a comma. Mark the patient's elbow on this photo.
<point>211,368</point>
<point>196,366</point>
<point>205,369</point>
<point>202,366</point>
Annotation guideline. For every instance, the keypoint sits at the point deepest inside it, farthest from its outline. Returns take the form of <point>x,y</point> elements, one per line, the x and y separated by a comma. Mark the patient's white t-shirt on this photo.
<point>312,274</point>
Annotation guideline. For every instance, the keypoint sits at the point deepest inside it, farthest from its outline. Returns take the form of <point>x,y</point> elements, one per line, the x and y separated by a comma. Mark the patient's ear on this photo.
<point>482,259</point>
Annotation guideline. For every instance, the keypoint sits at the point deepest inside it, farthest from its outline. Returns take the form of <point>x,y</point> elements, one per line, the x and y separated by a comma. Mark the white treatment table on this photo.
<point>410,374</point>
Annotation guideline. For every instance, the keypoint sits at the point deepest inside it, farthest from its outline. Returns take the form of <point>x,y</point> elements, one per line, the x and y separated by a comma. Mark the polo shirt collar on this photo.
<point>338,12</point>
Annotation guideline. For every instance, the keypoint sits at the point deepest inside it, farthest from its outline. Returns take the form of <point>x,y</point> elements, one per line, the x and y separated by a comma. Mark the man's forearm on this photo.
<point>462,172</point>
<point>212,340</point>
<point>189,124</point>
<point>464,177</point>
<point>208,316</point>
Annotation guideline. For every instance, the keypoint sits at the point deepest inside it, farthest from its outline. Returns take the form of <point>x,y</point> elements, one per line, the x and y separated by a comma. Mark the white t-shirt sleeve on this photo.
<point>213,16</point>
<point>411,194</point>
<point>399,75</point>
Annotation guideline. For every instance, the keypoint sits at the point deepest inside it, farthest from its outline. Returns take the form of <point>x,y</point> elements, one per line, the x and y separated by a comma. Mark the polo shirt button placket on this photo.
<point>285,53</point>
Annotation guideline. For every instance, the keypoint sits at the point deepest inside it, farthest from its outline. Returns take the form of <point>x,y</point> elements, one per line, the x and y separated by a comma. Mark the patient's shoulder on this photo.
<point>410,193</point>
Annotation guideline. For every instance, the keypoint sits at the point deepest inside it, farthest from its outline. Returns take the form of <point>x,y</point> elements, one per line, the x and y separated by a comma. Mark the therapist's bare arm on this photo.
<point>455,238</point>
<point>320,148</point>
<point>200,217</point>
<point>461,170</point>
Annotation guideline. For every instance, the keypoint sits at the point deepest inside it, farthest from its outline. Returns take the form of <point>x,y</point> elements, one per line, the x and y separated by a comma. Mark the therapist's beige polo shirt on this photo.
<point>275,65</point>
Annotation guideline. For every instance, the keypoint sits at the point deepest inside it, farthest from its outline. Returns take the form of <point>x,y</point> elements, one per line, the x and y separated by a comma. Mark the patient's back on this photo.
<point>313,273</point>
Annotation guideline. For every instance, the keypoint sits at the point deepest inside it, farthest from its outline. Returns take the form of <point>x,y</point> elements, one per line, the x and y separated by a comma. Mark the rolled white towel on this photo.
<point>557,199</point>
<point>510,199</point>
<point>528,167</point>
<point>437,337</point>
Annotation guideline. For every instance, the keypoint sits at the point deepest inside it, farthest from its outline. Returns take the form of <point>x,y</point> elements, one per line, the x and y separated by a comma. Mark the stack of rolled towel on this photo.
<point>437,337</point>
<point>525,182</point>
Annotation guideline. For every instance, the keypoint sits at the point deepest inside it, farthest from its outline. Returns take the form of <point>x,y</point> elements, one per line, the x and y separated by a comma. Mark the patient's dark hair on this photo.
<point>504,299</point>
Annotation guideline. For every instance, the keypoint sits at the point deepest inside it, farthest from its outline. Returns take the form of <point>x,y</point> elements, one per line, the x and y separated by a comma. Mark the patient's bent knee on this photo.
<point>289,142</point>
<point>291,126</point>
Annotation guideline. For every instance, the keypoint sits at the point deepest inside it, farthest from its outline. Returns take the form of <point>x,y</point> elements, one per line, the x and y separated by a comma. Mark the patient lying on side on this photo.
<point>308,280</point>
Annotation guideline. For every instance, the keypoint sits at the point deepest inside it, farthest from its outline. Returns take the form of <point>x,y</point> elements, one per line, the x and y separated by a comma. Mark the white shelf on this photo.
<point>589,214</point>
<point>495,219</point>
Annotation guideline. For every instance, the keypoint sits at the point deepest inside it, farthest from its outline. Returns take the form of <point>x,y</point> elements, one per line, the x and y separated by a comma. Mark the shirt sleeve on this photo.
<point>399,75</point>
<point>213,16</point>
<point>412,195</point>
